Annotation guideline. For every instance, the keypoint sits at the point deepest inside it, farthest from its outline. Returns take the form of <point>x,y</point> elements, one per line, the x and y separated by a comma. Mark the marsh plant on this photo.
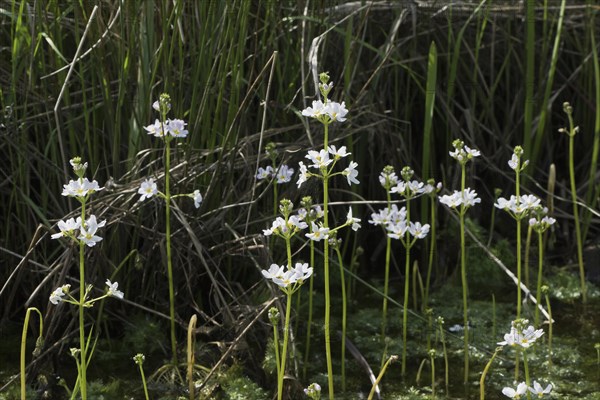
<point>139,361</point>
<point>287,278</point>
<point>519,207</point>
<point>83,232</point>
<point>167,129</point>
<point>278,174</point>
<point>322,166</point>
<point>460,202</point>
<point>408,232</point>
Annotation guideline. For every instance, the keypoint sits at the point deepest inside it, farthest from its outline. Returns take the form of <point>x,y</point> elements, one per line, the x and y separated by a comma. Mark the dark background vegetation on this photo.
<point>239,72</point>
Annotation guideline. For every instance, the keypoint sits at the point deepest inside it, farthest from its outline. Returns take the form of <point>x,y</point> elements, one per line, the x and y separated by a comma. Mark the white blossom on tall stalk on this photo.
<point>88,231</point>
<point>147,189</point>
<point>520,336</point>
<point>520,390</point>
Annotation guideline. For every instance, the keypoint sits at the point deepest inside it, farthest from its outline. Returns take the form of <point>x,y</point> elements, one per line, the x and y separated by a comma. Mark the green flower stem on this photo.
<point>526,368</point>
<point>572,132</point>
<point>310,310</point>
<point>144,381</point>
<point>406,243</point>
<point>277,356</point>
<point>386,282</point>
<point>169,256</point>
<point>82,293</point>
<point>463,274</point>
<point>380,376</point>
<point>518,219</point>
<point>527,248</point>
<point>446,369</point>
<point>286,334</point>
<point>431,255</point>
<point>550,324</point>
<point>538,292</point>
<point>344,315</point>
<point>326,276</point>
<point>432,360</point>
<point>484,373</point>
<point>24,345</point>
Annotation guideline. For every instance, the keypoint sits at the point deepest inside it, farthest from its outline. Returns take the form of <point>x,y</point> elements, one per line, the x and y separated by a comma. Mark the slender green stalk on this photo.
<point>406,288</point>
<point>432,361</point>
<point>440,322</point>
<point>538,292</point>
<point>518,219</point>
<point>463,275</point>
<point>276,347</point>
<point>432,244</point>
<point>344,316</point>
<point>527,248</point>
<point>572,131</point>
<point>484,373</point>
<point>139,360</point>
<point>39,342</point>
<point>169,255</point>
<point>386,280</point>
<point>380,376</point>
<point>80,305</point>
<point>286,335</point>
<point>545,291</point>
<point>310,311</point>
<point>526,368</point>
<point>326,276</point>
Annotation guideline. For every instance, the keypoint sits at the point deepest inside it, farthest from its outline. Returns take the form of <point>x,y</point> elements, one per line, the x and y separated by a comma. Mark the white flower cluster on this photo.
<point>541,222</point>
<point>290,277</point>
<point>521,336</point>
<point>171,127</point>
<point>282,175</point>
<point>467,198</point>
<point>326,112</point>
<point>463,153</point>
<point>522,388</point>
<point>281,227</point>
<point>518,206</point>
<point>322,159</point>
<point>313,391</point>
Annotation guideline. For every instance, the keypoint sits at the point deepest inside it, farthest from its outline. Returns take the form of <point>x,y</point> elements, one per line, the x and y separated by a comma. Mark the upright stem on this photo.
<point>82,344</point>
<point>576,211</point>
<point>144,382</point>
<point>431,254</point>
<point>310,310</point>
<point>538,291</point>
<point>277,359</point>
<point>24,345</point>
<point>386,282</point>
<point>406,288</point>
<point>463,277</point>
<point>169,257</point>
<point>286,334</point>
<point>518,218</point>
<point>344,315</point>
<point>526,368</point>
<point>326,276</point>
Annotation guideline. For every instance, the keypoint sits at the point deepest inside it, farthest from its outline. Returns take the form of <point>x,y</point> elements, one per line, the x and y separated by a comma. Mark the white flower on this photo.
<point>87,232</point>
<point>58,294</point>
<point>336,111</point>
<point>521,337</point>
<point>320,159</point>
<point>276,227</point>
<point>388,180</point>
<point>156,105</point>
<point>539,390</point>
<point>264,173</point>
<point>288,278</point>
<point>454,200</point>
<point>80,188</point>
<point>274,271</point>
<point>469,197</point>
<point>530,201</point>
<point>302,271</point>
<point>398,230</point>
<point>67,227</point>
<point>176,128</point>
<point>355,222</point>
<point>77,165</point>
<point>295,221</point>
<point>515,394</point>
<point>317,233</point>
<point>513,163</point>
<point>156,129</point>
<point>284,174</point>
<point>313,391</point>
<point>471,152</point>
<point>351,173</point>
<point>113,290</point>
<point>341,153</point>
<point>197,198</point>
<point>147,189</point>
<point>304,174</point>
<point>417,230</point>
<point>317,109</point>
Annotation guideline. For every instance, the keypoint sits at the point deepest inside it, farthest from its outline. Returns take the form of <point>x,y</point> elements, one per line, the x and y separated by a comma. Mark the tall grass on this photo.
<point>211,56</point>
